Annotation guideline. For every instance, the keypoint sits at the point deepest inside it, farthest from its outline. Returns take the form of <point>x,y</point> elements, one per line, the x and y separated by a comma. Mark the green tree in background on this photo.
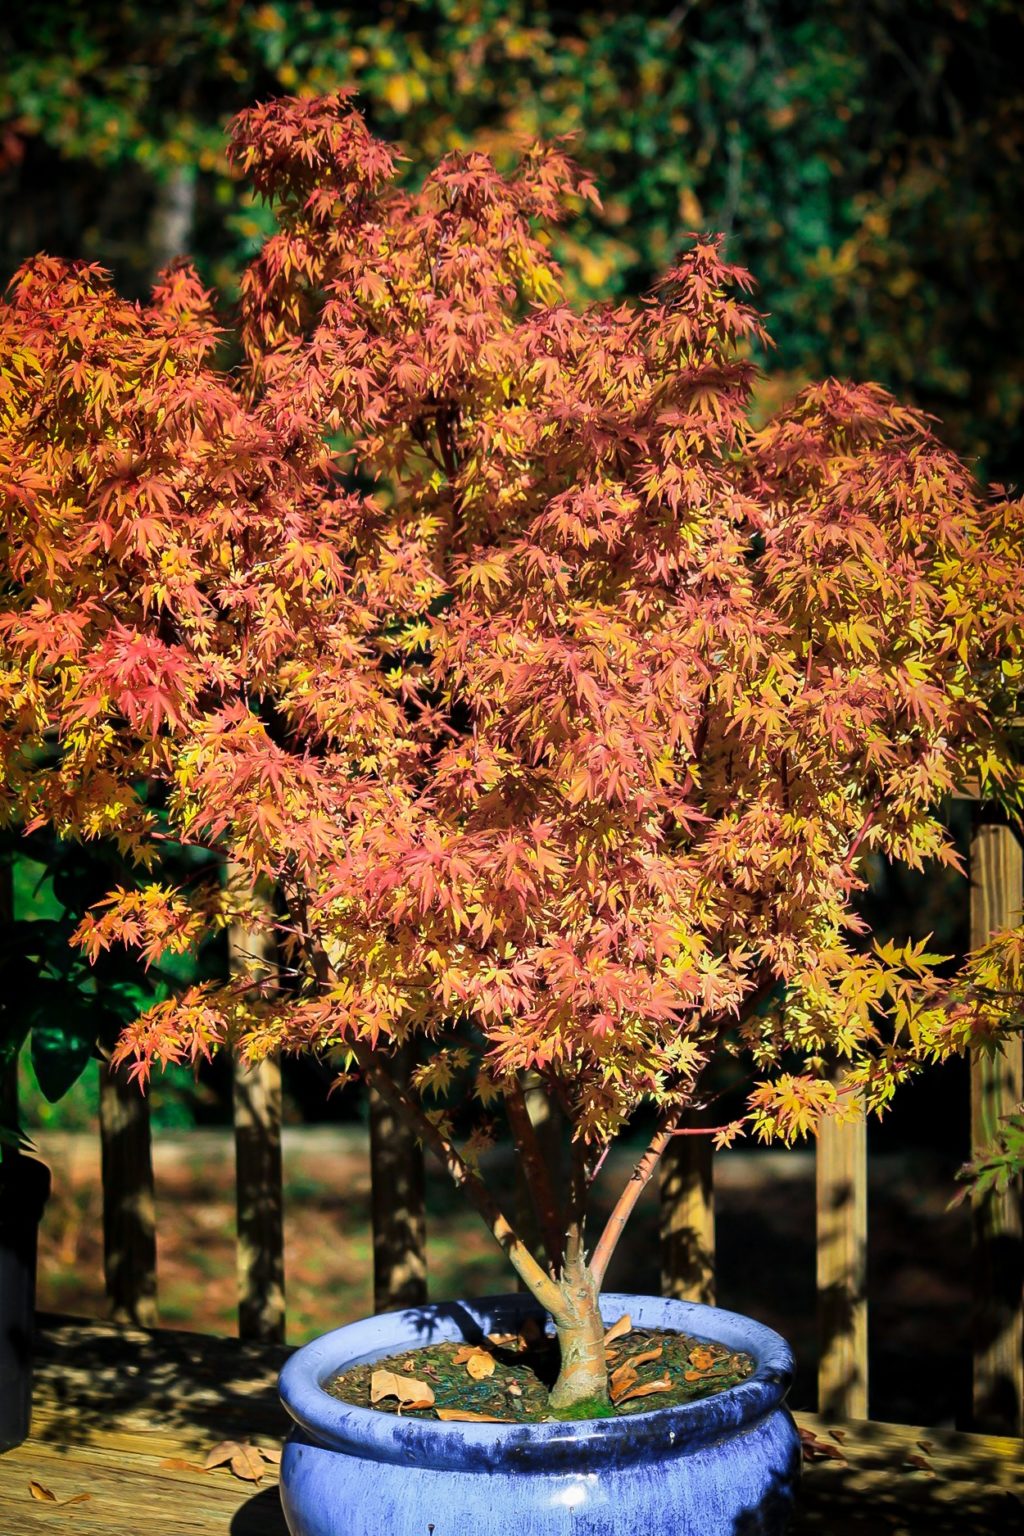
<point>865,158</point>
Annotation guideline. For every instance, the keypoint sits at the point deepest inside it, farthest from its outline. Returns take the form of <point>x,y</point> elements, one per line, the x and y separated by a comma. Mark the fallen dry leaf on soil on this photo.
<point>47,1496</point>
<point>645,1356</point>
<point>410,1394</point>
<point>645,1389</point>
<point>478,1362</point>
<point>463,1415</point>
<point>616,1330</point>
<point>622,1378</point>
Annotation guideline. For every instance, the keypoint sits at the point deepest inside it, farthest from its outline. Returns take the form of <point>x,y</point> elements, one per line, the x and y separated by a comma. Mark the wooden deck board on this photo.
<point>113,1405</point>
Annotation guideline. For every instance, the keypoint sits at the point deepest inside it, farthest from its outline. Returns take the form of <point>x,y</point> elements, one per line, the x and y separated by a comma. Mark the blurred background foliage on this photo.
<point>864,159</point>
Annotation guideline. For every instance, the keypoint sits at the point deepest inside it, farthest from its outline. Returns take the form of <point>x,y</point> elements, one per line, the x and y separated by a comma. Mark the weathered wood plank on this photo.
<point>129,1203</point>
<point>128,1493</point>
<point>997,1085</point>
<point>841,1178</point>
<point>397,1179</point>
<point>256,1095</point>
<point>687,1219</point>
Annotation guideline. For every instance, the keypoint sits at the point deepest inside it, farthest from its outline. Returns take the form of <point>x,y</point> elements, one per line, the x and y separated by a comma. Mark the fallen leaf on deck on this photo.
<point>926,1446</point>
<point>179,1464</point>
<point>645,1389</point>
<point>839,1434</point>
<point>813,1447</point>
<point>463,1415</point>
<point>47,1496</point>
<point>922,1465</point>
<point>271,1453</point>
<point>247,1464</point>
<point>245,1461</point>
<point>624,1325</point>
<point>410,1394</point>
<point>221,1452</point>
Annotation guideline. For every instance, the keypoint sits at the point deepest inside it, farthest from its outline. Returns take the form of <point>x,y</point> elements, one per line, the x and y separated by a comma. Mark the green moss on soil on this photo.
<point>524,1370</point>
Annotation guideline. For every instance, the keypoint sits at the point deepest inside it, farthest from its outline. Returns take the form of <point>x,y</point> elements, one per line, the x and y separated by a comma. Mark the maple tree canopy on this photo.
<point>559,706</point>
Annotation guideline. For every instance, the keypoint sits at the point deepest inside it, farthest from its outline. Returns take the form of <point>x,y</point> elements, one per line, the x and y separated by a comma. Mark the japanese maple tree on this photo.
<point>561,707</point>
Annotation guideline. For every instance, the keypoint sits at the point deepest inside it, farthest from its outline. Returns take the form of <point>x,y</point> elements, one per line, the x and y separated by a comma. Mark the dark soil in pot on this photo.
<point>506,1378</point>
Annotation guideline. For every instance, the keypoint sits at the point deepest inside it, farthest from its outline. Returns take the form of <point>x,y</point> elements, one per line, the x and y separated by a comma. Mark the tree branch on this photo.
<point>644,1170</point>
<point>522,1260</point>
<point>626,1203</point>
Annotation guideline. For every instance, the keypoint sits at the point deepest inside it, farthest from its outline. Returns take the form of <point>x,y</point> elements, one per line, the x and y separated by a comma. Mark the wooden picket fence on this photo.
<point>686,1194</point>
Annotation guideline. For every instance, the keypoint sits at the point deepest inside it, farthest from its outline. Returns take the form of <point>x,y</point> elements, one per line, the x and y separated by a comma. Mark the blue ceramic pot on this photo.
<point>725,1466</point>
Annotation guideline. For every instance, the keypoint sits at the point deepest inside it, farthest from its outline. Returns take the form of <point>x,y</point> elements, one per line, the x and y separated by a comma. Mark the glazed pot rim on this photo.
<point>467,1446</point>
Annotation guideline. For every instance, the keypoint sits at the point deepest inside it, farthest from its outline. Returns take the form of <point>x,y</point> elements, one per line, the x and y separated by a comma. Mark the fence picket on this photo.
<point>397,1203</point>
<point>256,1102</point>
<point>687,1219</point>
<point>258,1201</point>
<point>997,1085</point>
<point>129,1204</point>
<point>841,1180</point>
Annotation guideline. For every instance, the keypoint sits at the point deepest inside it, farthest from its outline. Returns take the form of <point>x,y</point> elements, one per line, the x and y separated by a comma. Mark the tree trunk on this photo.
<point>170,225</point>
<point>583,1377</point>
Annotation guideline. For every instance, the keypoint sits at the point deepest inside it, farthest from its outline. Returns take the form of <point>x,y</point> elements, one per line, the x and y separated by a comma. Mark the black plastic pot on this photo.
<point>24,1190</point>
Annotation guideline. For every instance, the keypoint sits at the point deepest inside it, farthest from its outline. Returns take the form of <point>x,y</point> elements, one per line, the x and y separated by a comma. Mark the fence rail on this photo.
<point>687,1208</point>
